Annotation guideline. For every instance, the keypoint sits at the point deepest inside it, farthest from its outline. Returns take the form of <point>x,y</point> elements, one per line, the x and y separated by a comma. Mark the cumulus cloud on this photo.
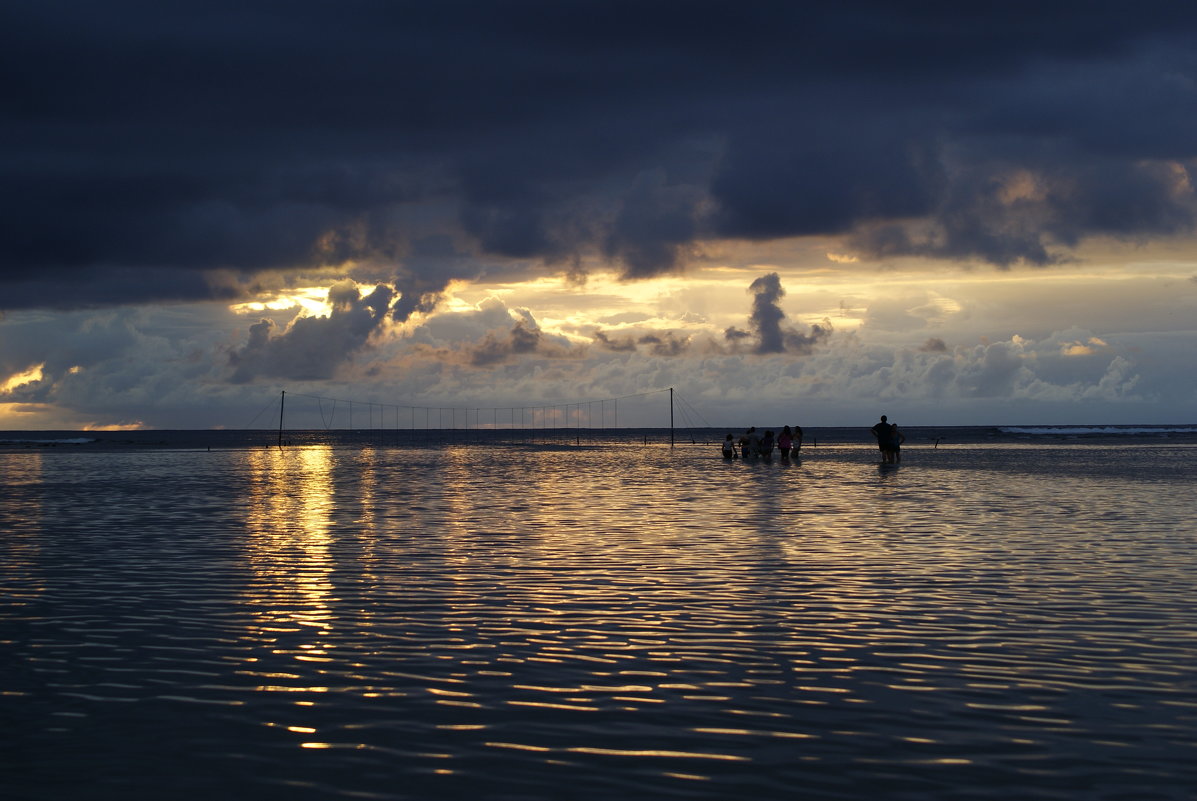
<point>767,314</point>
<point>994,370</point>
<point>844,379</point>
<point>667,343</point>
<point>611,343</point>
<point>766,319</point>
<point>524,337</point>
<point>490,337</point>
<point>934,345</point>
<point>313,347</point>
<point>457,337</point>
<point>659,343</point>
<point>1117,383</point>
<point>112,367</point>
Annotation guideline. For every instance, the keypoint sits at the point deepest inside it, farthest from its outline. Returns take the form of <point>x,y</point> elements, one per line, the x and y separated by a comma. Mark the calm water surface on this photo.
<point>539,623</point>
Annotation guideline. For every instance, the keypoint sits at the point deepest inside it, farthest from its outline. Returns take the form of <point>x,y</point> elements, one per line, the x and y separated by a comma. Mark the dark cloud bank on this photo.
<point>153,151</point>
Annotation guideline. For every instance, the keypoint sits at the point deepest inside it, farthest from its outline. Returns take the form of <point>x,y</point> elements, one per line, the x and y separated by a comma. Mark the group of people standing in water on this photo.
<point>752,445</point>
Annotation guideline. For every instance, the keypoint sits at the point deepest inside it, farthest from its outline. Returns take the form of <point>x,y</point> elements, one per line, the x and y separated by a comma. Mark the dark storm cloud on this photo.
<point>655,223</point>
<point>147,144</point>
<point>425,272</point>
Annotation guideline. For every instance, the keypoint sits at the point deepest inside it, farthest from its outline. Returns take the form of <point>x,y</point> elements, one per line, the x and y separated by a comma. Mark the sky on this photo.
<point>789,212</point>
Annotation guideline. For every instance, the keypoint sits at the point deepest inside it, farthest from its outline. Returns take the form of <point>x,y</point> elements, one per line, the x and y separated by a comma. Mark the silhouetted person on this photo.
<point>885,434</point>
<point>785,442</point>
<point>729,448</point>
<point>750,443</point>
<point>766,446</point>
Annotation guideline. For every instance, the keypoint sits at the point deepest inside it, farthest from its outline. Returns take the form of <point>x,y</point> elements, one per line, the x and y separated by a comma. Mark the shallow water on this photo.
<point>505,623</point>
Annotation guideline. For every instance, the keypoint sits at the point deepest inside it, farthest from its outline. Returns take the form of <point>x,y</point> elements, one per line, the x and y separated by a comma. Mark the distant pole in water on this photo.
<point>671,417</point>
<point>282,401</point>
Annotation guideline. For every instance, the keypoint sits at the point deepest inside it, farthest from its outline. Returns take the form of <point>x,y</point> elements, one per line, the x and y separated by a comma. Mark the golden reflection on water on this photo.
<point>569,548</point>
<point>288,545</point>
<point>485,576</point>
<point>461,493</point>
<point>288,542</point>
<point>651,615</point>
<point>372,468</point>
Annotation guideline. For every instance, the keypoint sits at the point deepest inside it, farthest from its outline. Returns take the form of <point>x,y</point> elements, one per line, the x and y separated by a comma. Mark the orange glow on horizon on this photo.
<point>135,425</point>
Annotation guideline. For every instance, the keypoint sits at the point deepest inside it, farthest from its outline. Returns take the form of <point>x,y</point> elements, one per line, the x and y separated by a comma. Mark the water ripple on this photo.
<point>411,624</point>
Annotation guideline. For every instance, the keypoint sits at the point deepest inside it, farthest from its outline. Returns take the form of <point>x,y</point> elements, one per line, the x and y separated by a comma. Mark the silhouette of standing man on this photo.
<point>884,432</point>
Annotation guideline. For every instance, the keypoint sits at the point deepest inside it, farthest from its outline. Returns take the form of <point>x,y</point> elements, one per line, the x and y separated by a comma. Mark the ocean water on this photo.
<point>1009,613</point>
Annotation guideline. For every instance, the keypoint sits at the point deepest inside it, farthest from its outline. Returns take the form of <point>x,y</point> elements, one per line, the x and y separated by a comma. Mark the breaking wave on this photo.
<point>1105,431</point>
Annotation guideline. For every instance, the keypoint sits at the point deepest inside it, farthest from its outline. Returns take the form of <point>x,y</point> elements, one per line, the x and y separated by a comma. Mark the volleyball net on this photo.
<point>659,409</point>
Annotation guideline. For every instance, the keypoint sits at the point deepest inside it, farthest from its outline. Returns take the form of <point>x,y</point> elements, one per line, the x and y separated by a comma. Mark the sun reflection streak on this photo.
<point>289,549</point>
<point>288,538</point>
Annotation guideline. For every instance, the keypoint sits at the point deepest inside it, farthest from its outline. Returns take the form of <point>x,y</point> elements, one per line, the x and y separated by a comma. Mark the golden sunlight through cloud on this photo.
<point>312,302</point>
<point>22,378</point>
